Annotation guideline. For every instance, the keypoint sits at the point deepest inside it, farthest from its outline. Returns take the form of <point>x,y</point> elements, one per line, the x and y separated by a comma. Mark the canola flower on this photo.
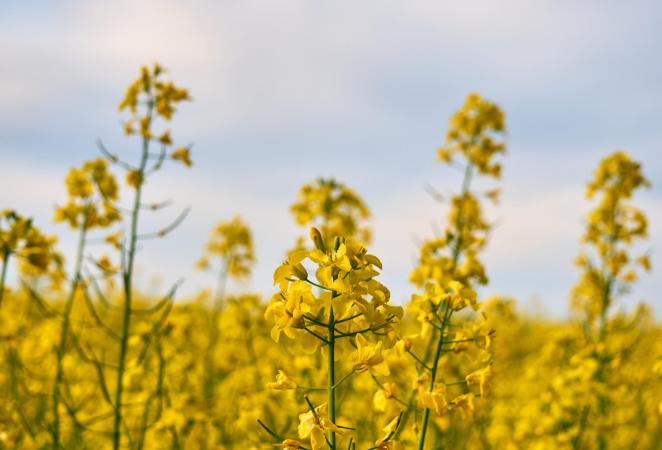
<point>231,243</point>
<point>333,208</point>
<point>34,250</point>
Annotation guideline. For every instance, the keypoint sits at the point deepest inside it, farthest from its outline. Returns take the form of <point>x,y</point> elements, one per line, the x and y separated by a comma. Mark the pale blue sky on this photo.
<point>286,91</point>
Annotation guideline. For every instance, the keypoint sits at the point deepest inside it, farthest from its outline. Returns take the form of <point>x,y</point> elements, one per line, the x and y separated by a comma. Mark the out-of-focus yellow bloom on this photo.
<point>333,208</point>
<point>483,378</point>
<point>283,382</point>
<point>612,227</point>
<point>232,243</point>
<point>289,444</point>
<point>183,155</point>
<point>93,192</point>
<point>35,251</point>
<point>436,399</point>
<point>465,403</point>
<point>474,131</point>
<point>134,178</point>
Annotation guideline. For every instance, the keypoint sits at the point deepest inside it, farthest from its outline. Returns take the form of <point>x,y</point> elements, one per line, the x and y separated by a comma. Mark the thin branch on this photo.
<point>321,338</point>
<point>112,157</point>
<point>419,360</point>
<point>165,231</point>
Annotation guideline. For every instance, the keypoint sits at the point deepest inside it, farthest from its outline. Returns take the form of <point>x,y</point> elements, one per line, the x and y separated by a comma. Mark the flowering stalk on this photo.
<point>331,378</point>
<point>64,333</point>
<point>611,229</point>
<point>3,272</point>
<point>82,212</point>
<point>448,277</point>
<point>351,309</point>
<point>159,99</point>
<point>448,313</point>
<point>231,245</point>
<point>127,282</point>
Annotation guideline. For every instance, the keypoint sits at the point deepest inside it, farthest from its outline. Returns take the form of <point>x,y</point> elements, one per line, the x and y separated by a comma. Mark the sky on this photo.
<point>287,91</point>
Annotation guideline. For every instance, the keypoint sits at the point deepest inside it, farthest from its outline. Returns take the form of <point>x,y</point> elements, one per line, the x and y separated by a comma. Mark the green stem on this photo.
<point>433,376</point>
<point>606,301</point>
<point>219,301</point>
<point>214,334</point>
<point>128,279</point>
<point>457,250</point>
<point>64,333</point>
<point>3,274</point>
<point>331,380</point>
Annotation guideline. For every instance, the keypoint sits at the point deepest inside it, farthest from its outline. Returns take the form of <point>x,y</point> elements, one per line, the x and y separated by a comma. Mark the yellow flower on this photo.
<point>283,382</point>
<point>165,138</point>
<point>483,378</point>
<point>232,243</point>
<point>334,209</point>
<point>183,155</point>
<point>78,184</point>
<point>287,310</point>
<point>369,357</point>
<point>475,131</point>
<point>128,128</point>
<point>289,444</point>
<point>388,442</point>
<point>435,399</point>
<point>465,403</point>
<point>461,296</point>
<point>316,424</point>
<point>106,265</point>
<point>115,239</point>
<point>382,396</point>
<point>145,125</point>
<point>134,178</point>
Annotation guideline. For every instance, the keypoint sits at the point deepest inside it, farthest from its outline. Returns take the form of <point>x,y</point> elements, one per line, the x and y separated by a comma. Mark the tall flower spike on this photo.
<point>343,304</point>
<point>448,268</point>
<point>611,229</point>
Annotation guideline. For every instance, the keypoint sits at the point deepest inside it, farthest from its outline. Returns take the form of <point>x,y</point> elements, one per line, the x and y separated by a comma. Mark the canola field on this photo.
<point>88,361</point>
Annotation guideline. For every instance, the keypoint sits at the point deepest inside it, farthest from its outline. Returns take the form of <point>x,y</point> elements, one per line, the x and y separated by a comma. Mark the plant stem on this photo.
<point>433,376</point>
<point>64,333</point>
<point>3,274</point>
<point>219,300</point>
<point>456,252</point>
<point>214,334</point>
<point>128,279</point>
<point>331,381</point>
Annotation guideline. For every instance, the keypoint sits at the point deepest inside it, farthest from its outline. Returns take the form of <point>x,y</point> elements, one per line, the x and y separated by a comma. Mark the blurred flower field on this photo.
<point>88,361</point>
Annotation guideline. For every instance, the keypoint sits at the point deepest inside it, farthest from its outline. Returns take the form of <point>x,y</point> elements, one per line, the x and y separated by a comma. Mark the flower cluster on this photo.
<point>158,98</point>
<point>344,310</point>
<point>232,243</point>
<point>475,132</point>
<point>335,209</point>
<point>612,227</point>
<point>34,250</point>
<point>92,193</point>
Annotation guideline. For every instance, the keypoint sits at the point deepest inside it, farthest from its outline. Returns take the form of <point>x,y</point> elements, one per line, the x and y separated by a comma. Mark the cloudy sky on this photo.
<point>286,91</point>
